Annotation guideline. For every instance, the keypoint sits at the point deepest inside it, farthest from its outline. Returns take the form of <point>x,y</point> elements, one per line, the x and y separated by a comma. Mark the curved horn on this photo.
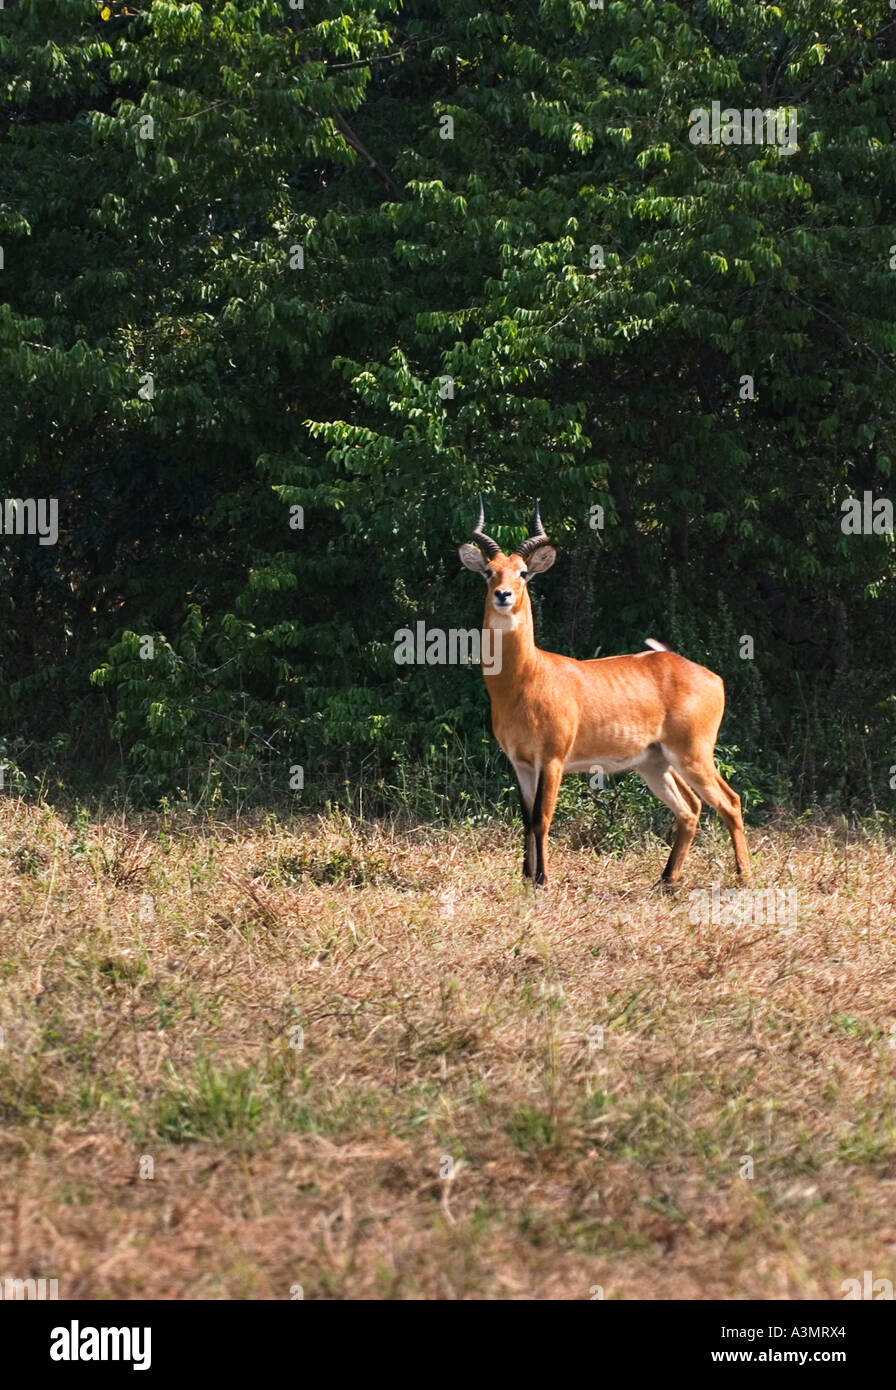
<point>537,538</point>
<point>485,543</point>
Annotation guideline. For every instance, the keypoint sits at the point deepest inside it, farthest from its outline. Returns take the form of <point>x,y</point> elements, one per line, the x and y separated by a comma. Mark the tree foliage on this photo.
<point>366,261</point>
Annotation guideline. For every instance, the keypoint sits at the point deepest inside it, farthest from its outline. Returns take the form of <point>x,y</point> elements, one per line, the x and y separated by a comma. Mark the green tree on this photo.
<point>519,275</point>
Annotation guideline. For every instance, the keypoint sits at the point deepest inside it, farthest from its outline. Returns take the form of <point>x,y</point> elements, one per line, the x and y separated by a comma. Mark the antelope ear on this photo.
<point>541,559</point>
<point>474,560</point>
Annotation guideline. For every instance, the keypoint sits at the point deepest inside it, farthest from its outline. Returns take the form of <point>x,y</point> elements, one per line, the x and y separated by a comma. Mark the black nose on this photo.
<point>502,594</point>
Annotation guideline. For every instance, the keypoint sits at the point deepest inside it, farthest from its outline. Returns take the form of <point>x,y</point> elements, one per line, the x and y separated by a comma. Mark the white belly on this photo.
<point>608,765</point>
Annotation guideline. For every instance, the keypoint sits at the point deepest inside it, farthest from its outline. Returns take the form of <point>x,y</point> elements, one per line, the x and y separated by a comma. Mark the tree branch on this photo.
<point>351,138</point>
<point>368,62</point>
<point>854,342</point>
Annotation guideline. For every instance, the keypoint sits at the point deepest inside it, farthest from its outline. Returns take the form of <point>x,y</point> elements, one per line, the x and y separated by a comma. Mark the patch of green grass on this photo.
<point>119,970</point>
<point>28,860</point>
<point>872,1140</point>
<point>211,1103</point>
<point>595,1103</point>
<point>530,1130</point>
<point>340,864</point>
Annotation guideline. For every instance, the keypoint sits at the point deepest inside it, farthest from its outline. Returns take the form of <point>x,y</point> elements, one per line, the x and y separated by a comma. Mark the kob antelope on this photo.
<point>655,712</point>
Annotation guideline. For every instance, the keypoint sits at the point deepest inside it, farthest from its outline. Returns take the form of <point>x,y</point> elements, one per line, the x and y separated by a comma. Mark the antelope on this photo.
<point>654,712</point>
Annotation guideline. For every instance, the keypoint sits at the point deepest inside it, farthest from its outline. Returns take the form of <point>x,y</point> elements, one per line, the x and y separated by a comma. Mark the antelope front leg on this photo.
<point>526,784</point>
<point>527,829</point>
<point>547,787</point>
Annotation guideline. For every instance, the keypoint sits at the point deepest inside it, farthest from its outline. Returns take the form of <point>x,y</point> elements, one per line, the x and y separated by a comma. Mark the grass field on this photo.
<point>370,1064</point>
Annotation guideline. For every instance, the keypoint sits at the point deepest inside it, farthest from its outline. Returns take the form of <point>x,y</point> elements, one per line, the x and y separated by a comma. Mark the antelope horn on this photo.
<point>536,539</point>
<point>485,543</point>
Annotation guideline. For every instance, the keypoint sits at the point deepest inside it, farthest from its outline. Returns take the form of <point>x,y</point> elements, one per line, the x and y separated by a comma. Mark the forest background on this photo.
<point>284,289</point>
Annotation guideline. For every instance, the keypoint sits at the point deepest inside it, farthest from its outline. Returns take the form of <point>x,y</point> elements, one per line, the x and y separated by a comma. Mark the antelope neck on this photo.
<point>518,653</point>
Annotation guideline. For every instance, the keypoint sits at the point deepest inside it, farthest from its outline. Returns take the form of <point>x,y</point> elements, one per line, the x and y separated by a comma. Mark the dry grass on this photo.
<point>153,979</point>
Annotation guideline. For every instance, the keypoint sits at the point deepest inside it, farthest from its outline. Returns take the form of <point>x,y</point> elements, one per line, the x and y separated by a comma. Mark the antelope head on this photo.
<point>507,575</point>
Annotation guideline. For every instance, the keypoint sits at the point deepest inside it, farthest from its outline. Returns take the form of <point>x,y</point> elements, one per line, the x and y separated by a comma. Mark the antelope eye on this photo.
<point>524,574</point>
